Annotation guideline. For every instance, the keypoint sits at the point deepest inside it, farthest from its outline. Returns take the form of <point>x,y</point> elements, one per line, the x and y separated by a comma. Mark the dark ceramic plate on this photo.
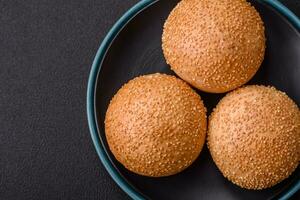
<point>133,48</point>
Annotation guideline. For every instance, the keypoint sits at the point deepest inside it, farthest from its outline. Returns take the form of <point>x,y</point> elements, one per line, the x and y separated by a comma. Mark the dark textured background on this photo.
<point>46,50</point>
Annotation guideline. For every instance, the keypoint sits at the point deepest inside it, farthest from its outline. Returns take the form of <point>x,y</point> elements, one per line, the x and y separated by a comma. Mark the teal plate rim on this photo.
<point>96,66</point>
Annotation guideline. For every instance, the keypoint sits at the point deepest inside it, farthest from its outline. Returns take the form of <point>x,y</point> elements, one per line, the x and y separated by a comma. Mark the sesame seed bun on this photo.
<point>254,136</point>
<point>215,45</point>
<point>156,125</point>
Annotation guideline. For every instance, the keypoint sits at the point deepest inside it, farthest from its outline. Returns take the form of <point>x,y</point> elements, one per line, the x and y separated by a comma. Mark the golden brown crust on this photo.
<point>254,136</point>
<point>156,125</point>
<point>216,46</point>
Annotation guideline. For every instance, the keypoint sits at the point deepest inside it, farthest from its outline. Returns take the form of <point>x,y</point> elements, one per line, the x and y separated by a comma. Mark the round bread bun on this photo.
<point>216,46</point>
<point>254,136</point>
<point>156,125</point>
